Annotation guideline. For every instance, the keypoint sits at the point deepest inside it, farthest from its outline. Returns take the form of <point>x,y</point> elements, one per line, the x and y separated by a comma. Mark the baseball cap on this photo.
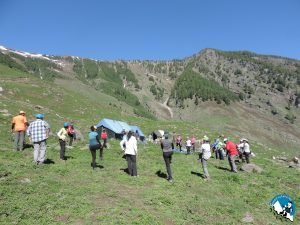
<point>39,116</point>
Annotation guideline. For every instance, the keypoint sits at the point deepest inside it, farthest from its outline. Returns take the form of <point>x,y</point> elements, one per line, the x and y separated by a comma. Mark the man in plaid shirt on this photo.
<point>38,132</point>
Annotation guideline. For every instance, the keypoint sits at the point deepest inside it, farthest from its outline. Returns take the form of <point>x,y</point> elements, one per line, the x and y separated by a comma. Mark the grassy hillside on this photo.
<point>72,193</point>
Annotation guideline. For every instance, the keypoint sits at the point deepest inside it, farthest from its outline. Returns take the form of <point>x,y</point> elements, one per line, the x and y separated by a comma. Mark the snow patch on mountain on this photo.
<point>3,48</point>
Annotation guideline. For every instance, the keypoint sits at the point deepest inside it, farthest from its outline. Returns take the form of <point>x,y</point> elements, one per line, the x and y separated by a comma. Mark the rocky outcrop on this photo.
<point>251,168</point>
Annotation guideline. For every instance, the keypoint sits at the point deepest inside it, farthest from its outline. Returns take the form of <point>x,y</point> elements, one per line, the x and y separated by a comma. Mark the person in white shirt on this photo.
<point>205,155</point>
<point>124,139</point>
<point>247,151</point>
<point>131,152</point>
<point>240,148</point>
<point>188,145</point>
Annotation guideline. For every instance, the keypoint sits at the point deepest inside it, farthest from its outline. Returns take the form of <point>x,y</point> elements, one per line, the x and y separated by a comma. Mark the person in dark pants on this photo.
<point>104,137</point>
<point>167,147</point>
<point>94,145</point>
<point>131,152</point>
<point>232,153</point>
<point>71,134</point>
<point>62,135</point>
<point>179,142</point>
<point>247,151</point>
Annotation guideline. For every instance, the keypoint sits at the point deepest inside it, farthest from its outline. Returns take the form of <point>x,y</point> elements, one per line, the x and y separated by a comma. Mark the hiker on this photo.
<point>188,145</point>
<point>179,141</point>
<point>174,138</point>
<point>232,153</point>
<point>137,135</point>
<point>214,147</point>
<point>218,148</point>
<point>193,140</point>
<point>62,135</point>
<point>205,155</point>
<point>38,132</point>
<point>19,125</point>
<point>167,147</point>
<point>247,151</point>
<point>124,139</point>
<point>94,144</point>
<point>71,133</point>
<point>240,148</point>
<point>104,137</point>
<point>131,152</point>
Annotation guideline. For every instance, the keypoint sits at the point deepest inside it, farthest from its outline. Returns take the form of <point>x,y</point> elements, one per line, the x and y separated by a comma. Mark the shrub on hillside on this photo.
<point>290,117</point>
<point>192,84</point>
<point>6,60</point>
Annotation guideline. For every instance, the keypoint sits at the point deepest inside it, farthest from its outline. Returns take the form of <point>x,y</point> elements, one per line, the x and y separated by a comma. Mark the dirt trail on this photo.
<point>164,105</point>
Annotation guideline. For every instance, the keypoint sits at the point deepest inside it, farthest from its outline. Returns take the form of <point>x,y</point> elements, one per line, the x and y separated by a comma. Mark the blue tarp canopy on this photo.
<point>136,128</point>
<point>114,125</point>
<point>114,128</point>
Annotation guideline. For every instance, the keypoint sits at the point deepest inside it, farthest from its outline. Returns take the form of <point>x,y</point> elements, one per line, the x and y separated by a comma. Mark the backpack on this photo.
<point>70,129</point>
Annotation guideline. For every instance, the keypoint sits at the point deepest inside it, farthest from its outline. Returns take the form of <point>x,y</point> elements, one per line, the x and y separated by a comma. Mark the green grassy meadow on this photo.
<point>72,192</point>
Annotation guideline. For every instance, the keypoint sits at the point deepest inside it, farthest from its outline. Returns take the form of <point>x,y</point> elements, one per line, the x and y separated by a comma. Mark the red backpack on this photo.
<point>103,135</point>
<point>70,129</point>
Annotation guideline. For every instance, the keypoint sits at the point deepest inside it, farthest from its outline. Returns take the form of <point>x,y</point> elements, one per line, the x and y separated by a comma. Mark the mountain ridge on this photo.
<point>269,85</point>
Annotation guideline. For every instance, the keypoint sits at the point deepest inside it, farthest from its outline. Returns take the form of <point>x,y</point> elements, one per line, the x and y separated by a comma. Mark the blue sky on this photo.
<point>144,29</point>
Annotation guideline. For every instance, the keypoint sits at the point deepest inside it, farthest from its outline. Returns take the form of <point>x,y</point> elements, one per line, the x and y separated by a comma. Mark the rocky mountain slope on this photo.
<point>253,94</point>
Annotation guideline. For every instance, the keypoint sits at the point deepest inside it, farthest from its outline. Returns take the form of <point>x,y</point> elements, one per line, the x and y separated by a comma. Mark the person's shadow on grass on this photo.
<point>125,170</point>
<point>68,157</point>
<point>98,166</point>
<point>27,146</point>
<point>161,174</point>
<point>49,161</point>
<point>222,168</point>
<point>197,174</point>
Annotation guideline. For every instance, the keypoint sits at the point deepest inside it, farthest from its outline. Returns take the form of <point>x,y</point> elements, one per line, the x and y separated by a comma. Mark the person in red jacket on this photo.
<point>104,137</point>
<point>232,152</point>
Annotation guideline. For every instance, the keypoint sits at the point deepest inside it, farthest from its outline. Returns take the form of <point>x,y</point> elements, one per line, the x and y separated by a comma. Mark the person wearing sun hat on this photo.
<point>38,133</point>
<point>247,151</point>
<point>205,155</point>
<point>19,126</point>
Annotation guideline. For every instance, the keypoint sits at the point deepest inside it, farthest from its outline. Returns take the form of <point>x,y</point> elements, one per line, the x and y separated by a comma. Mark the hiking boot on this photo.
<point>206,179</point>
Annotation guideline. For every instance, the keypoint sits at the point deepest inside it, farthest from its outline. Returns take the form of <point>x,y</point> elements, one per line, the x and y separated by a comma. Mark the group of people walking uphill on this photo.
<point>220,147</point>
<point>38,133</point>
<point>128,145</point>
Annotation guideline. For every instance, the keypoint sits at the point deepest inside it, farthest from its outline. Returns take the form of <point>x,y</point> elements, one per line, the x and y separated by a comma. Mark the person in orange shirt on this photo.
<point>19,126</point>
